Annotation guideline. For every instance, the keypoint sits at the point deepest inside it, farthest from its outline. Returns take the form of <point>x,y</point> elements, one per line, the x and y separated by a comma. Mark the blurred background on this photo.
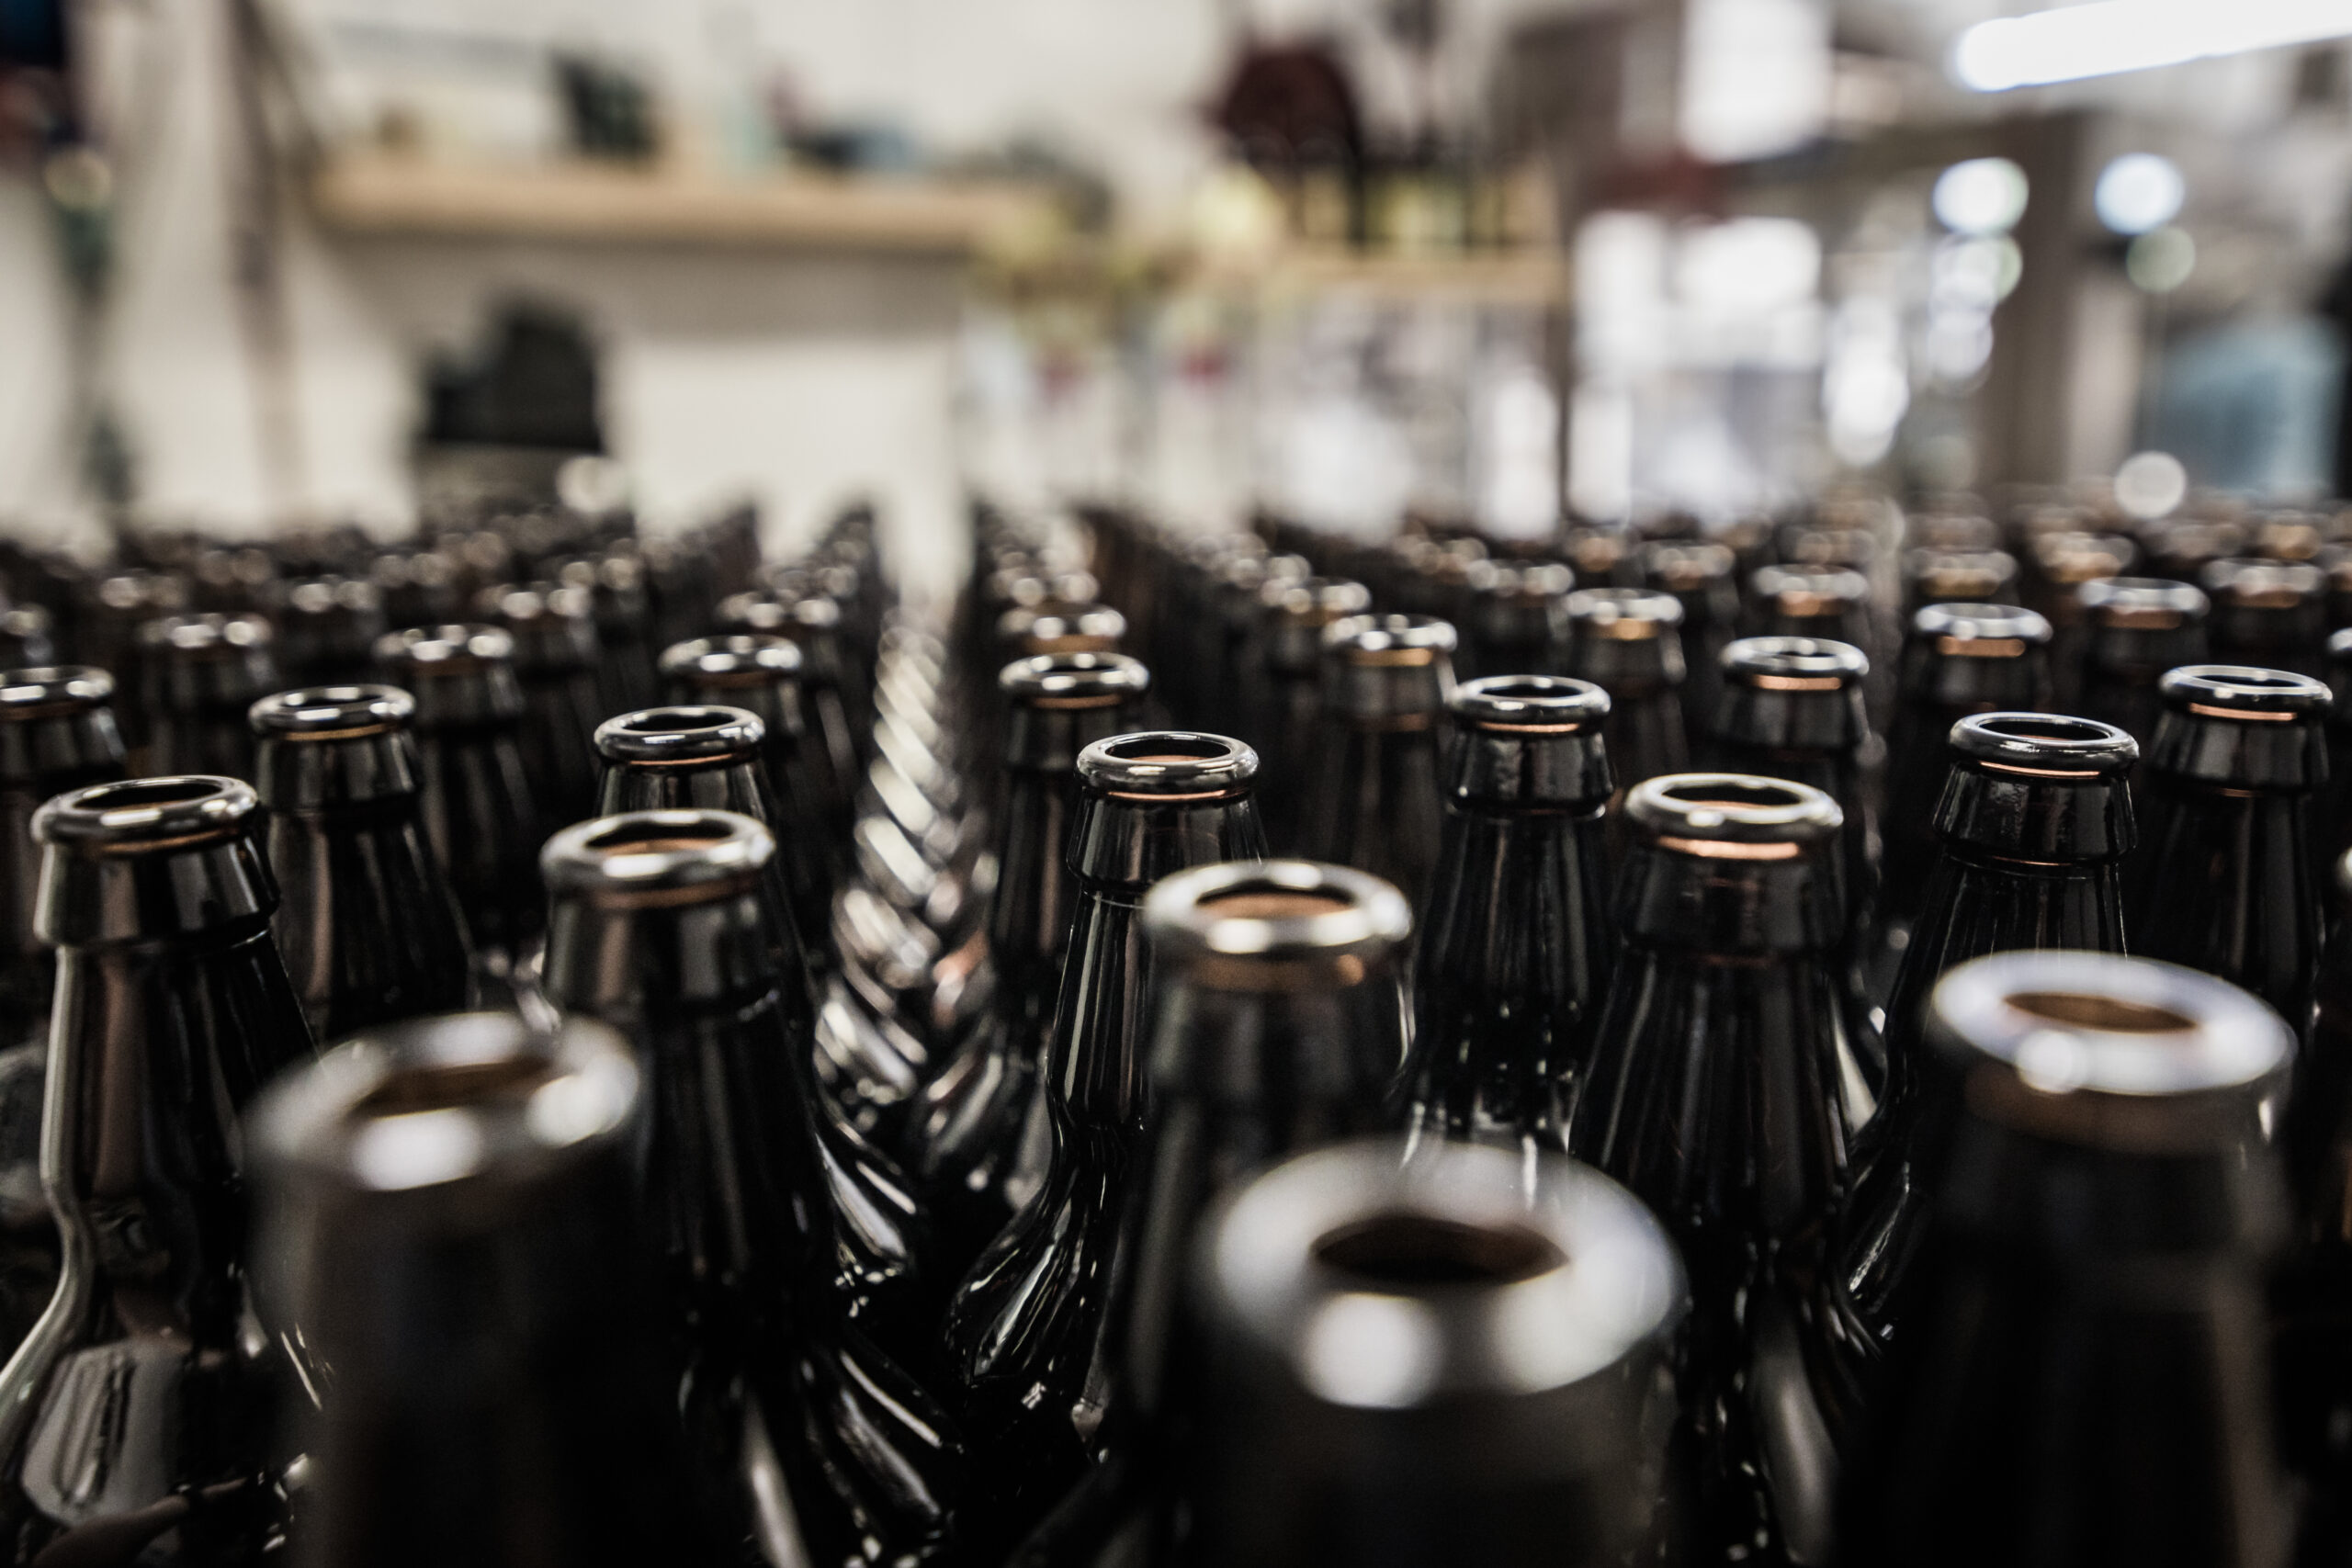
<point>1493,262</point>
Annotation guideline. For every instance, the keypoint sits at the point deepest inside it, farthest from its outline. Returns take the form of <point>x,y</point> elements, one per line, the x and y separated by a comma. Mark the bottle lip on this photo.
<point>455,648</point>
<point>1389,641</point>
<point>142,588</point>
<point>1314,602</point>
<point>2256,584</point>
<point>1167,765</point>
<point>332,712</point>
<point>527,602</point>
<point>2045,745</point>
<point>1803,591</point>
<point>1733,815</point>
<point>1529,704</point>
<point>2098,1048</point>
<point>1980,631</point>
<point>742,658</point>
<point>2142,603</point>
<point>1687,565</point>
<point>332,594</point>
<point>1389,1285</point>
<point>1795,663</point>
<point>140,815</point>
<point>681,733</point>
<point>1624,614</point>
<point>435,1104</point>
<point>1255,923</point>
<point>2242,691</point>
<point>769,610</point>
<point>1074,680</point>
<point>1521,583</point>
<point>658,858</point>
<point>1056,627</point>
<point>208,636</point>
<point>44,691</point>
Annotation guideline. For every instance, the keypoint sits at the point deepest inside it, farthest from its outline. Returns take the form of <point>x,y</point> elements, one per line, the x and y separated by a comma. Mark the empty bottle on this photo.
<point>327,628</point>
<point>200,674</point>
<point>366,925</point>
<point>1287,710</point>
<point>1518,941</point>
<point>2085,1380</point>
<point>2135,629</point>
<point>761,673</point>
<point>1701,577</point>
<point>1628,642</point>
<point>1375,799</point>
<point>2269,614</point>
<point>1517,619</point>
<point>555,663</point>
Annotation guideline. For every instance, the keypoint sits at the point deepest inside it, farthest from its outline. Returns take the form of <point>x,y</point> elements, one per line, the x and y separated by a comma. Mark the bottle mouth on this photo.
<point>2263,584</point>
<point>1404,642</point>
<point>528,602</point>
<point>667,736</point>
<point>658,857</point>
<point>1980,631</point>
<point>318,596</point>
<point>1062,628</point>
<point>160,593</point>
<point>1685,567</point>
<point>1733,815</point>
<point>745,659</point>
<point>332,712</point>
<point>1807,594</point>
<point>1315,602</point>
<point>1794,664</point>
<point>1387,1285</point>
<point>451,650</point>
<point>1961,576</point>
<point>1529,704</point>
<point>1624,614</point>
<point>2141,604</point>
<point>439,1101</point>
<point>210,636</point>
<point>44,691</point>
<point>1075,681</point>
<point>1530,584</point>
<point>1169,766</point>
<point>2044,745</point>
<point>2244,692</point>
<point>2066,1035</point>
<point>1276,925</point>
<point>138,816</point>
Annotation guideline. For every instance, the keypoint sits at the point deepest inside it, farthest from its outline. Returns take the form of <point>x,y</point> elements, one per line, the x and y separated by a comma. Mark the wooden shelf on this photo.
<point>384,193</point>
<point>1535,275</point>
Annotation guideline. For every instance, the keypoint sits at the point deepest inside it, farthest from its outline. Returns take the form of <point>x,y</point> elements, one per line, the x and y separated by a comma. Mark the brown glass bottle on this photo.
<point>1517,938</point>
<point>1825,605</point>
<point>2135,628</point>
<point>2035,822</point>
<point>761,673</point>
<point>57,733</point>
<point>137,1420</point>
<point>2086,1382</point>
<point>1512,1414</point>
<point>453,1223</point>
<point>1023,1331</point>
<point>814,625</point>
<point>481,818</point>
<point>1727,1075</point>
<point>1374,801</point>
<point>1516,619</point>
<point>976,1141</point>
<point>366,925</point>
<point>327,628</point>
<point>1702,578</point>
<point>1628,642</point>
<point>2268,615</point>
<point>1288,706</point>
<point>199,674</point>
<point>556,652</point>
<point>27,639</point>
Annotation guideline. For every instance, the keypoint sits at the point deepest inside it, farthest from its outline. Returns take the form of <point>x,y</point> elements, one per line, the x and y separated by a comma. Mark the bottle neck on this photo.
<point>2017,814</point>
<point>1518,911</point>
<point>635,963</point>
<point>1936,684</point>
<point>1029,919</point>
<point>1716,906</point>
<point>51,755</point>
<point>1829,723</point>
<point>739,784</point>
<point>314,775</point>
<point>1497,770</point>
<point>2288,757</point>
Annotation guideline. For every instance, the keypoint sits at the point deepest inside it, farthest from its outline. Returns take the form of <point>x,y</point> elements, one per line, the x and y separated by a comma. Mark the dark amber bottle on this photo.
<point>1516,619</point>
<point>555,664</point>
<point>138,1409</point>
<point>1518,939</point>
<point>200,674</point>
<point>761,673</point>
<point>975,1142</point>
<point>1022,1332</point>
<point>483,822</point>
<point>1510,1416</point>
<point>454,1226</point>
<point>1628,642</point>
<point>2035,822</point>
<point>1375,802</point>
<point>2086,1380</point>
<point>1287,710</point>
<point>814,625</point>
<point>2268,615</point>
<point>366,925</point>
<point>2135,628</point>
<point>1702,578</point>
<point>1729,1070</point>
<point>57,733</point>
<point>327,628</point>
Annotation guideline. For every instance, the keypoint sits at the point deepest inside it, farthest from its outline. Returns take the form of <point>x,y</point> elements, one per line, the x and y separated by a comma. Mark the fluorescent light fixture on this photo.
<point>1982,197</point>
<point>2139,193</point>
<point>2067,43</point>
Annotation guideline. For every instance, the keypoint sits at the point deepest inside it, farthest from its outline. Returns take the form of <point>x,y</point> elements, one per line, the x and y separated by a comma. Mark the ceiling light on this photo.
<point>2068,44</point>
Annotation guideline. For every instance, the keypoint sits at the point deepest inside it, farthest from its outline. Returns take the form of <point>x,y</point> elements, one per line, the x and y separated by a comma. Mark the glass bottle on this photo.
<point>1023,1331</point>
<point>1517,943</point>
<point>789,1252</point>
<point>1827,605</point>
<point>452,1222</point>
<point>1376,801</point>
<point>814,625</point>
<point>761,673</point>
<point>1729,1070</point>
<point>2331,825</point>
<point>2136,628</point>
<point>1959,660</point>
<point>200,674</point>
<point>555,664</point>
<point>1289,709</point>
<point>367,926</point>
<point>618,601</point>
<point>2086,1380</point>
<point>1517,619</point>
<point>1700,574</point>
<point>327,628</point>
<point>27,639</point>
<point>480,816</point>
<point>134,1419</point>
<point>107,637</point>
<point>2035,822</point>
<point>1513,1416</point>
<point>975,1140</point>
<point>2268,615</point>
<point>1628,642</point>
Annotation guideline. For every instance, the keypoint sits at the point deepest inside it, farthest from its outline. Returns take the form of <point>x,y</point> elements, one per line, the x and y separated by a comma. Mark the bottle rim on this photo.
<point>1389,640</point>
<point>1253,924</point>
<point>1624,614</point>
<point>332,712</point>
<point>1384,1285</point>
<point>1314,602</point>
<point>635,858</point>
<point>1809,591</point>
<point>1075,680</point>
<point>1527,584</point>
<point>1053,627</point>
<point>1733,815</point>
<point>1794,664</point>
<point>1167,765</point>
<point>209,634</point>
<point>1980,631</point>
<point>1687,565</point>
<point>2149,604</point>
<point>43,691</point>
<point>679,734</point>
<point>2046,745</point>
<point>451,649</point>
<point>332,593</point>
<point>1529,704</point>
<point>140,816</point>
<point>741,659</point>
<point>2253,583</point>
<point>2245,691</point>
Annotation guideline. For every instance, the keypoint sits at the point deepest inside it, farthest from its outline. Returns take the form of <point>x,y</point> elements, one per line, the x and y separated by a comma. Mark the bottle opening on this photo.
<point>1527,689</point>
<point>1269,903</point>
<point>445,1087</point>
<point>1168,748</point>
<point>633,838</point>
<point>671,721</point>
<point>1399,1252</point>
<point>2110,1014</point>
<point>147,792</point>
<point>2048,728</point>
<point>1734,795</point>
